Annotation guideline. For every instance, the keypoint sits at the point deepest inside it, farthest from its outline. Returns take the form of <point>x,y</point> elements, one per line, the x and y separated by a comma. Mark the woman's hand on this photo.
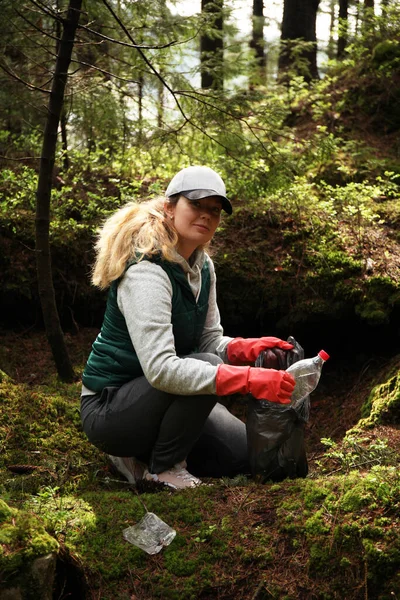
<point>263,384</point>
<point>241,351</point>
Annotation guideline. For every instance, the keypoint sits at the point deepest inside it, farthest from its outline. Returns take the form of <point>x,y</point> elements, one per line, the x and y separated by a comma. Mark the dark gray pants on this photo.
<point>163,429</point>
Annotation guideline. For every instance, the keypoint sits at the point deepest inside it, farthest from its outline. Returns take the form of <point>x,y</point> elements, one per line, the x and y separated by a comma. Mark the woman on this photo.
<point>153,378</point>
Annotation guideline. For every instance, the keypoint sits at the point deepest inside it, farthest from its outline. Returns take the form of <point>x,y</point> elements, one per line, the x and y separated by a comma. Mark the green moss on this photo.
<point>222,530</point>
<point>315,525</point>
<point>382,521</point>
<point>315,492</point>
<point>355,543</point>
<point>381,486</point>
<point>380,295</point>
<point>23,537</point>
<point>355,499</point>
<point>5,511</point>
<point>320,561</point>
<point>383,403</point>
<point>275,487</point>
<point>373,312</point>
<point>387,50</point>
<point>373,532</point>
<point>4,378</point>
<point>382,559</point>
<point>180,564</point>
<point>345,562</point>
<point>42,430</point>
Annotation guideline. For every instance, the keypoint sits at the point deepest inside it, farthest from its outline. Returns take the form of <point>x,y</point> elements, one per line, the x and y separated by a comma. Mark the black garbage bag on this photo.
<point>275,432</point>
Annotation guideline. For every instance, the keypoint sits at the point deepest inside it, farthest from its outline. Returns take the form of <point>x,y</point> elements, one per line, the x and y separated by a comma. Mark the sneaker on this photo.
<point>177,477</point>
<point>131,468</point>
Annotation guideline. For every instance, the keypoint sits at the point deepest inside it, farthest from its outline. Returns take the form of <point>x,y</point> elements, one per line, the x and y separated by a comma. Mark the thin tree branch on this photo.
<point>119,60</point>
<point>146,60</point>
<point>28,85</point>
<point>192,93</point>
<point>114,41</point>
<point>43,65</point>
<point>237,118</point>
<point>187,120</point>
<point>44,9</point>
<point>81,62</point>
<point>41,46</point>
<point>21,158</point>
<point>39,29</point>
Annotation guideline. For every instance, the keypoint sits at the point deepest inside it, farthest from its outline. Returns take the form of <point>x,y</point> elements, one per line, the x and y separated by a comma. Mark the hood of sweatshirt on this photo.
<point>192,269</point>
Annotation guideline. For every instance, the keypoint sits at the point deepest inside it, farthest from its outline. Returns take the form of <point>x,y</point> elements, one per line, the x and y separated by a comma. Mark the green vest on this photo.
<point>113,360</point>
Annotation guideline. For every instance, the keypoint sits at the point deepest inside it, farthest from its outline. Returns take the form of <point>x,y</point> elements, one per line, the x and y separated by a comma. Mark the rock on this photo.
<point>43,571</point>
<point>37,582</point>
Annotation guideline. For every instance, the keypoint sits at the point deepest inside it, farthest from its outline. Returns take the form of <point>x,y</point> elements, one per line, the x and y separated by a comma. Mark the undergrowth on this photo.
<point>339,527</point>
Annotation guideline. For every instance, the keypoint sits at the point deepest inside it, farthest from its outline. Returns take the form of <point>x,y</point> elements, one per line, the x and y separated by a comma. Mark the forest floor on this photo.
<point>235,539</point>
<point>335,406</point>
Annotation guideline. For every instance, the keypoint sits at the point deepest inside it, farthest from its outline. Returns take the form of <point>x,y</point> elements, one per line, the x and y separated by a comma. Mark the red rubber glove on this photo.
<point>263,384</point>
<point>241,350</point>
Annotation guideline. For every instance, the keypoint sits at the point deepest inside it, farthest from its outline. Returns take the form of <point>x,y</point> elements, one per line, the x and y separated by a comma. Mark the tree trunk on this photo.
<point>384,7</point>
<point>54,332</point>
<point>299,25</point>
<point>331,43</point>
<point>358,17</point>
<point>64,140</point>
<point>212,47</point>
<point>384,16</point>
<point>160,101</point>
<point>257,44</point>
<point>63,118</point>
<point>368,16</point>
<point>343,27</point>
<point>140,106</point>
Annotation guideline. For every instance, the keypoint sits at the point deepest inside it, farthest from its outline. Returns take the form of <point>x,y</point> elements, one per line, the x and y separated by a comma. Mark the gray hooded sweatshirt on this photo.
<point>145,299</point>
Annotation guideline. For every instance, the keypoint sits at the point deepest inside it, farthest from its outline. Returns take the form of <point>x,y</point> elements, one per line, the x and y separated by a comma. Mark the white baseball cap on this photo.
<point>199,182</point>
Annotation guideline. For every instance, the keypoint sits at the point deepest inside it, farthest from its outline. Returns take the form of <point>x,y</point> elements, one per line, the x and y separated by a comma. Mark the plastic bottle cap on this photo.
<point>324,355</point>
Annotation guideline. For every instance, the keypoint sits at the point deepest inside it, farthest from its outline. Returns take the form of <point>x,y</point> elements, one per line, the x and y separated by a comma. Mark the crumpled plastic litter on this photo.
<point>150,534</point>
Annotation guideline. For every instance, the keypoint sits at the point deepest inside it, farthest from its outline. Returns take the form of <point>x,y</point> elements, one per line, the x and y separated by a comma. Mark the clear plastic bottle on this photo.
<point>306,373</point>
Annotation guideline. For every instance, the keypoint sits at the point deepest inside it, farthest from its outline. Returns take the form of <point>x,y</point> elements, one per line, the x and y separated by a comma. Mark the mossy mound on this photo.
<point>374,438</point>
<point>383,404</point>
<point>305,537</point>
<point>288,259</point>
<point>294,261</point>
<point>231,541</point>
<point>43,442</point>
<point>23,537</point>
<point>5,511</point>
<point>27,555</point>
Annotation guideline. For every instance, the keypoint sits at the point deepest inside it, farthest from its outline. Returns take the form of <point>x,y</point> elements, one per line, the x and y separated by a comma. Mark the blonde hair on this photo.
<point>134,231</point>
